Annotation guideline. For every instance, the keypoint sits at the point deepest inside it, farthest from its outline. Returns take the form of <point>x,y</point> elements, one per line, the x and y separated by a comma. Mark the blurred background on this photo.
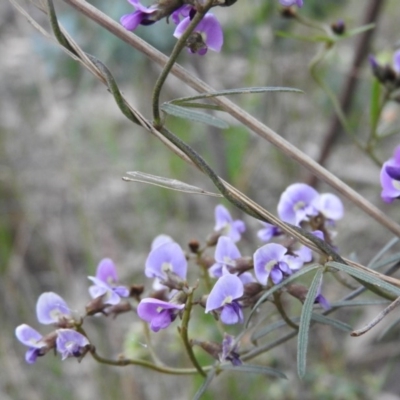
<point>64,147</point>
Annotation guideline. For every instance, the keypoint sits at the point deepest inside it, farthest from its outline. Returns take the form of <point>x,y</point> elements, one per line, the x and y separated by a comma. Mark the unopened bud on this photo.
<point>213,239</point>
<point>338,27</point>
<point>194,246</point>
<point>121,307</point>
<point>288,12</point>
<point>243,264</point>
<point>298,291</point>
<point>212,348</point>
<point>136,291</point>
<point>95,306</point>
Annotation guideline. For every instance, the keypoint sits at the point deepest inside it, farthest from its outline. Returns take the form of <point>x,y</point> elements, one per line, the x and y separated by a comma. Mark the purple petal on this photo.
<point>226,251</point>
<point>329,205</point>
<point>103,289</point>
<point>70,343</point>
<point>29,336</point>
<point>121,291</point>
<point>390,187</point>
<point>295,203</point>
<point>131,21</point>
<point>288,3</point>
<point>211,31</point>
<point>396,61</point>
<point>231,314</point>
<point>393,172</point>
<point>294,263</point>
<point>167,257</point>
<point>265,259</point>
<point>268,232</point>
<point>228,288</point>
<point>50,308</point>
<point>246,277</point>
<point>215,271</point>
<point>32,354</point>
<point>183,11</point>
<point>323,302</point>
<point>160,240</point>
<point>276,275</point>
<point>181,28</point>
<point>106,271</point>
<point>222,217</point>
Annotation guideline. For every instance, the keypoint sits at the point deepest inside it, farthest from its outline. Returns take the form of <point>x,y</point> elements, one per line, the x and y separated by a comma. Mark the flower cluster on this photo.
<point>206,35</point>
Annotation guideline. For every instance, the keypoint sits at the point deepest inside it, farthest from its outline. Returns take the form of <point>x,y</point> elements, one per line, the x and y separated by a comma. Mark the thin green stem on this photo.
<point>281,310</point>
<point>179,46</point>
<point>184,328</point>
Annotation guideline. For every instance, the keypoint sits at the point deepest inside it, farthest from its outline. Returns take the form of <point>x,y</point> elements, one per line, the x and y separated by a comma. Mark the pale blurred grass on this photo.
<point>64,148</point>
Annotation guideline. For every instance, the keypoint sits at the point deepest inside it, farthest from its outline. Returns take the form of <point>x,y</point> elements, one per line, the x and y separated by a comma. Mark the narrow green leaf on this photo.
<point>375,107</point>
<point>358,303</point>
<point>332,322</point>
<point>264,331</point>
<point>368,279</point>
<point>389,260</point>
<point>173,184</point>
<point>304,325</point>
<point>256,89</point>
<point>254,369</point>
<point>205,385</point>
<point>200,105</point>
<point>197,116</point>
<point>274,288</point>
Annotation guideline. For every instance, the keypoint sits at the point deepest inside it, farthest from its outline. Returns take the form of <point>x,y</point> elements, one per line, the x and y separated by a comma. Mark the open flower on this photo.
<point>106,283</point>
<point>268,232</point>
<point>52,309</point>
<point>165,259</point>
<point>390,178</point>
<point>271,261</point>
<point>142,16</point>
<point>224,298</point>
<point>225,224</point>
<point>288,3</point>
<point>226,253</point>
<point>37,345</point>
<point>207,34</point>
<point>158,313</point>
<point>71,343</point>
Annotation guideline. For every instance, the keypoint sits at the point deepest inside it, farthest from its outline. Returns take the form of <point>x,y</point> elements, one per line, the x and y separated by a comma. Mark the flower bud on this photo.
<point>194,246</point>
<point>338,27</point>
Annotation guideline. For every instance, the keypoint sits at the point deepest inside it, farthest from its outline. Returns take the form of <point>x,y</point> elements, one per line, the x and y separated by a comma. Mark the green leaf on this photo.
<point>274,288</point>
<point>389,260</point>
<point>200,105</point>
<point>254,369</point>
<point>181,112</point>
<point>173,184</point>
<point>375,105</point>
<point>257,89</point>
<point>332,322</point>
<point>368,279</point>
<point>205,385</point>
<point>304,325</point>
<point>358,303</point>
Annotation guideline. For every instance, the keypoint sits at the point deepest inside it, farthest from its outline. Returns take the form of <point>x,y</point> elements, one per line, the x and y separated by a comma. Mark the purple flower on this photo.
<point>52,309</point>
<point>223,297</point>
<point>71,343</point>
<point>164,259</point>
<point>296,203</point>
<point>34,340</point>
<point>184,11</point>
<point>105,283</point>
<point>268,232</point>
<point>225,224</point>
<point>271,261</point>
<point>390,178</point>
<point>158,313</point>
<point>207,34</point>
<point>288,3</point>
<point>226,253</point>
<point>142,16</point>
<point>304,252</point>
<point>299,202</point>
<point>396,61</point>
<point>230,350</point>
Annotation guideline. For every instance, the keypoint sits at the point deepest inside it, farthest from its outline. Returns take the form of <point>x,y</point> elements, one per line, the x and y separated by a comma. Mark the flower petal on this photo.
<point>50,308</point>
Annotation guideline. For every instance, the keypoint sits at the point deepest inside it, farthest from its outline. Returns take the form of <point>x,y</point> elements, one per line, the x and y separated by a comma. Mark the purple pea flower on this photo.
<point>225,224</point>
<point>37,346</point>
<point>142,16</point>
<point>165,259</point>
<point>161,239</point>
<point>271,261</point>
<point>226,253</point>
<point>296,203</point>
<point>207,34</point>
<point>71,343</point>
<point>184,12</point>
<point>105,283</point>
<point>390,178</point>
<point>268,232</point>
<point>288,3</point>
<point>52,309</point>
<point>304,252</point>
<point>223,297</point>
<point>158,313</point>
